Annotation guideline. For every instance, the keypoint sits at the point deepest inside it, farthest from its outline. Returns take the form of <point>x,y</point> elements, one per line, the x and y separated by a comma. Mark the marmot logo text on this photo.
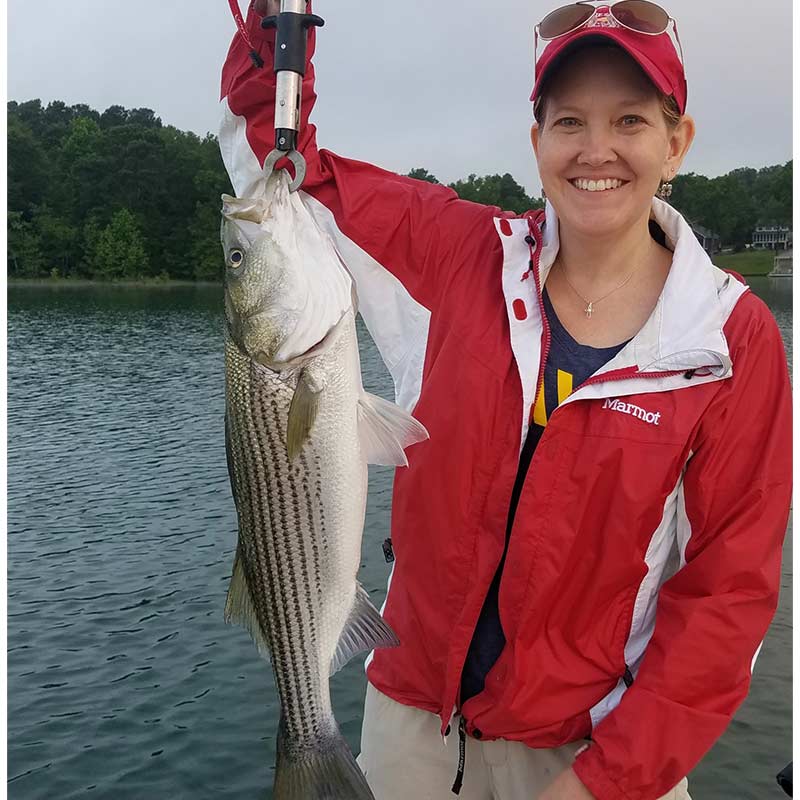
<point>651,417</point>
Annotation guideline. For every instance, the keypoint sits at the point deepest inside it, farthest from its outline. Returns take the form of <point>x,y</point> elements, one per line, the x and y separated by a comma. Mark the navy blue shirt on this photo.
<point>568,365</point>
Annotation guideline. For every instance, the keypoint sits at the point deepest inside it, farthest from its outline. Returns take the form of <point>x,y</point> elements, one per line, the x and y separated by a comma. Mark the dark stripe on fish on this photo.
<point>295,630</point>
<point>289,681</point>
<point>257,562</point>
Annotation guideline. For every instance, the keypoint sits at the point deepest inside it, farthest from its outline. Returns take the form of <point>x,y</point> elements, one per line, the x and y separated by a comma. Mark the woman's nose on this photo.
<point>597,147</point>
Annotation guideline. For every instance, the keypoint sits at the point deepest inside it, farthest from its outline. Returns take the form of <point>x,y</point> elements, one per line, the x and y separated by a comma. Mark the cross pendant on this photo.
<point>589,311</point>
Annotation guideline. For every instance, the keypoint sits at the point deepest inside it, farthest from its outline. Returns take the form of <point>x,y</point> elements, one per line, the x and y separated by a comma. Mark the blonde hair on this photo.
<point>669,105</point>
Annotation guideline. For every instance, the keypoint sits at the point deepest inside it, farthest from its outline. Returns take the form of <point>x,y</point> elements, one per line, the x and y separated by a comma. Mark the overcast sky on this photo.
<point>439,85</point>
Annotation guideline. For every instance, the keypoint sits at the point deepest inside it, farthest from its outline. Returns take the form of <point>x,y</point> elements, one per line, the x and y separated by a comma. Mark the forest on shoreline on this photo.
<point>117,195</point>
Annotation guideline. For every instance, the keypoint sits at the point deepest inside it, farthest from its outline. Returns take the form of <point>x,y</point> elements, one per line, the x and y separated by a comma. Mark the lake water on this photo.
<point>123,680</point>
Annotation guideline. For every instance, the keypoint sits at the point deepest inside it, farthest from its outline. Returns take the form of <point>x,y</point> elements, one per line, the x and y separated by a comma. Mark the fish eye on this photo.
<point>235,258</point>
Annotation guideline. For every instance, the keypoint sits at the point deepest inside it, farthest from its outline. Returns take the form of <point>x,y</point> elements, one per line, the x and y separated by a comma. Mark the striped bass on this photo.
<point>299,432</point>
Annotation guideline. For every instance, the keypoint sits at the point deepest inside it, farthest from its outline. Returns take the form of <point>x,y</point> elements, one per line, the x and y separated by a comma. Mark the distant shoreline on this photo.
<point>74,283</point>
<point>153,283</point>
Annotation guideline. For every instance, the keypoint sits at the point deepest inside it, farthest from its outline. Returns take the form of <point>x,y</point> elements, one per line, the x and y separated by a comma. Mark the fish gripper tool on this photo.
<point>291,40</point>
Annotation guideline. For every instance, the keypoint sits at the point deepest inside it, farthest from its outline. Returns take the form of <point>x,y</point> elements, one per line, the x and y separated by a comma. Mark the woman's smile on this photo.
<point>603,186</point>
<point>603,131</point>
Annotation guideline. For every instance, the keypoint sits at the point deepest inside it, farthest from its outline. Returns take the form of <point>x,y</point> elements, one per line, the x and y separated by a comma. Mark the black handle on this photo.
<point>292,39</point>
<point>785,779</point>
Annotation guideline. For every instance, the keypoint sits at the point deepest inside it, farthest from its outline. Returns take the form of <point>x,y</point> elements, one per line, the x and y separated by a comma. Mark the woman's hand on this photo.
<point>567,786</point>
<point>267,8</point>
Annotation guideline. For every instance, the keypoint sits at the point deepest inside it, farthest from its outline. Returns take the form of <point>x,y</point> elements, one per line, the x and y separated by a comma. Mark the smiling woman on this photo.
<point>587,550</point>
<point>605,137</point>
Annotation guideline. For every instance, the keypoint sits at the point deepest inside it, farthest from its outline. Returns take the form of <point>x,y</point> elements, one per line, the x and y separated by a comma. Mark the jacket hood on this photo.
<point>685,330</point>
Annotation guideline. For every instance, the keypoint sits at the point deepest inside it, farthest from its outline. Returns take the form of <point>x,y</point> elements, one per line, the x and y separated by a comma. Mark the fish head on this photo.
<point>264,297</point>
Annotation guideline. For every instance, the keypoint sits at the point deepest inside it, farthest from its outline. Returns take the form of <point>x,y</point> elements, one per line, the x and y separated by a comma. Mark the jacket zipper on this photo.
<point>665,374</point>
<point>534,267</point>
<point>627,676</point>
<point>608,378</point>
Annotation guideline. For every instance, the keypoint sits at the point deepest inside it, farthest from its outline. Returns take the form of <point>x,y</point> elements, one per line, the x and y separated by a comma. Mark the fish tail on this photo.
<point>326,771</point>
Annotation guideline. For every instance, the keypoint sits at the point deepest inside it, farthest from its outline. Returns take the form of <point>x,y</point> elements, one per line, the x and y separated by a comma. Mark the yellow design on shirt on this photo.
<point>539,411</point>
<point>564,386</point>
<point>564,391</point>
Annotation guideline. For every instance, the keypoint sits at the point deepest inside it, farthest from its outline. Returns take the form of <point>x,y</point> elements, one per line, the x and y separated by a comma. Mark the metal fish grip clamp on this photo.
<point>291,41</point>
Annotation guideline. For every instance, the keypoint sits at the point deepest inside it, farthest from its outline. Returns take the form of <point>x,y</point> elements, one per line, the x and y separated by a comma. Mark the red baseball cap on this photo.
<point>656,55</point>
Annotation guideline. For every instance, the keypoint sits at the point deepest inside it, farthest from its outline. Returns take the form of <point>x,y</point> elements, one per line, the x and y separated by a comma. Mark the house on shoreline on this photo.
<point>772,237</point>
<point>709,241</point>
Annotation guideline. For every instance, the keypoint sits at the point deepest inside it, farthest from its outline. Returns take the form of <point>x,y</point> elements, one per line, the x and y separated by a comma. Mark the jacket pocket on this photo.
<point>621,637</point>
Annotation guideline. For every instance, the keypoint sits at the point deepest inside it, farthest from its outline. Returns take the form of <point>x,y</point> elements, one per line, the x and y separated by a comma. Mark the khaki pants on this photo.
<point>404,758</point>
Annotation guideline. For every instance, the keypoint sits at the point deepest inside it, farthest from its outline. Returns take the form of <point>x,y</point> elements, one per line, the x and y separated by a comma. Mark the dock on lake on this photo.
<point>783,265</point>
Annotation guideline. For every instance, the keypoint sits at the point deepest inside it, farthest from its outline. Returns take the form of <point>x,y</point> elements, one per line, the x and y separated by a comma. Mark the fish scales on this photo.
<point>247,468</point>
<point>303,628</point>
<point>299,433</point>
<point>280,509</point>
<point>255,502</point>
<point>295,555</point>
<point>263,559</point>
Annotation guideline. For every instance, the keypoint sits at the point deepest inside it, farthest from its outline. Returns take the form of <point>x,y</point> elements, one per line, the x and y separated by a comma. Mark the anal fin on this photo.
<point>364,630</point>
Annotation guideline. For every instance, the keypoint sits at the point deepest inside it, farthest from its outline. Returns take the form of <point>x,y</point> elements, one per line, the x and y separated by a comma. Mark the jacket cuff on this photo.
<point>589,769</point>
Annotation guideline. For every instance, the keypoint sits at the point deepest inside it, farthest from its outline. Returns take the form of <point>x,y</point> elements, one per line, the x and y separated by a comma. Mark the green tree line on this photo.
<point>733,205</point>
<point>119,195</point>
<point>111,195</point>
<point>492,190</point>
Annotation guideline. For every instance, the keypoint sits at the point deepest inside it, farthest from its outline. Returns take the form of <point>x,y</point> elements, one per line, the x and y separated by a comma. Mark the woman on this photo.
<point>587,550</point>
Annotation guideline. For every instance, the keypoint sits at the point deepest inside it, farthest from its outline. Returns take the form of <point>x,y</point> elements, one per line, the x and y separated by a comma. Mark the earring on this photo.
<point>665,190</point>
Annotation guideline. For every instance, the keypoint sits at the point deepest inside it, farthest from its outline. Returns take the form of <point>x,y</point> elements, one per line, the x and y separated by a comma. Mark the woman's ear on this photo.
<point>680,141</point>
<point>535,139</point>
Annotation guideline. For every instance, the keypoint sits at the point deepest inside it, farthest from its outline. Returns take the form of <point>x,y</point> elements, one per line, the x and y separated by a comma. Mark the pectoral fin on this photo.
<point>384,430</point>
<point>302,413</point>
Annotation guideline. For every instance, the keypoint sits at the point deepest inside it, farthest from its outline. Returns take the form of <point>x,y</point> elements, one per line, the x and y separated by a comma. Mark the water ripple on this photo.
<point>121,532</point>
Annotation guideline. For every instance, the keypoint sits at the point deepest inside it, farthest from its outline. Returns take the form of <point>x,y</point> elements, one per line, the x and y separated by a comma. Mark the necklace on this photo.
<point>591,303</point>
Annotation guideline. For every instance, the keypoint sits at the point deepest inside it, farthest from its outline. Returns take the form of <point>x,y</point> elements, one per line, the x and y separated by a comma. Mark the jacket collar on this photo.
<point>685,330</point>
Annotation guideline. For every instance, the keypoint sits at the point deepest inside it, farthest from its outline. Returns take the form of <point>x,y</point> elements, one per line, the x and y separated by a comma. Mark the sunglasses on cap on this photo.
<point>640,16</point>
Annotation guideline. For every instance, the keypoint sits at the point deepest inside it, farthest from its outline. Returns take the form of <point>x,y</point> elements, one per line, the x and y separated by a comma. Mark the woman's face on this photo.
<point>603,120</point>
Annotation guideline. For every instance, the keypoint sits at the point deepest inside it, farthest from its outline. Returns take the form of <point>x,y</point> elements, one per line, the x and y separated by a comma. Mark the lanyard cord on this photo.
<point>462,753</point>
<point>237,15</point>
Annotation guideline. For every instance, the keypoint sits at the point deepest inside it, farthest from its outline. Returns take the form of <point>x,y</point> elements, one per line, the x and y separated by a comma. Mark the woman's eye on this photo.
<point>566,119</point>
<point>632,117</point>
<point>235,258</point>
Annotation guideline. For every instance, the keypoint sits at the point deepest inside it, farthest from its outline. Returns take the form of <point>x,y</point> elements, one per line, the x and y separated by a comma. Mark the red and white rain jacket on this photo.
<point>647,540</point>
